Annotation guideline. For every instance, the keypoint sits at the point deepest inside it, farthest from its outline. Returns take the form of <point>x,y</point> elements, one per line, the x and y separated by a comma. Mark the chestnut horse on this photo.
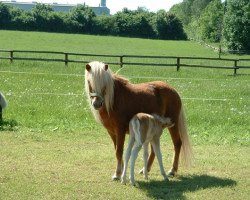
<point>114,101</point>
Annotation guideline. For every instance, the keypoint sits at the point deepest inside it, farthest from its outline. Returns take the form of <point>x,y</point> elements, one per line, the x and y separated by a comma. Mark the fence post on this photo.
<point>235,67</point>
<point>178,63</point>
<point>121,61</point>
<point>66,59</point>
<point>220,51</point>
<point>11,56</point>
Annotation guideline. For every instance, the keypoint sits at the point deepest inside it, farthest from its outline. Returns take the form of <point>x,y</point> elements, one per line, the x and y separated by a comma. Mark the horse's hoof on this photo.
<point>116,178</point>
<point>141,171</point>
<point>166,178</point>
<point>123,181</point>
<point>171,174</point>
<point>132,183</point>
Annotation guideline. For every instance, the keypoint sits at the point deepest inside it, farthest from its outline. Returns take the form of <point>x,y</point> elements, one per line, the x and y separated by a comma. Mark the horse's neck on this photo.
<point>120,88</point>
<point>120,84</point>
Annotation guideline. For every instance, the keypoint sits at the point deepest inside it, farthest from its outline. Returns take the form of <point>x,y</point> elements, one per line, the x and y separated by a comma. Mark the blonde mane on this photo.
<point>101,80</point>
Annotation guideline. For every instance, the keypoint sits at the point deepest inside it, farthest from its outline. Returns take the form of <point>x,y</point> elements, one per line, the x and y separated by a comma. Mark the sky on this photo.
<point>118,5</point>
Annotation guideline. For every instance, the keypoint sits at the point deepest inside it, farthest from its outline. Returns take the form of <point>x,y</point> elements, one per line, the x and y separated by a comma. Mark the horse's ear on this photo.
<point>106,67</point>
<point>88,67</point>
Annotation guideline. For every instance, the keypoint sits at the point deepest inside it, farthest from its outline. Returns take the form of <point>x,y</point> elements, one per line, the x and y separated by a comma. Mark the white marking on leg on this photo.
<point>157,150</point>
<point>134,155</point>
<point>145,160</point>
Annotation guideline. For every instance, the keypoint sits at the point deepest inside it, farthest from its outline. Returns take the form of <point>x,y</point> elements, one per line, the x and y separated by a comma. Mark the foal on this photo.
<point>144,129</point>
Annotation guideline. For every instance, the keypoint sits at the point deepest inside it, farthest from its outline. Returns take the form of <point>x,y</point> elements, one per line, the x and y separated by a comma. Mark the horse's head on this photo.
<point>99,85</point>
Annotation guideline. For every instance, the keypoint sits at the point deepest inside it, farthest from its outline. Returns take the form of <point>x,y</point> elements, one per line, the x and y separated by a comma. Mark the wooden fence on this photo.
<point>122,60</point>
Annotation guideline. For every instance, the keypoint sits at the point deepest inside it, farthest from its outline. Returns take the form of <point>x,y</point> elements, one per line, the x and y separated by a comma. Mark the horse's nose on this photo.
<point>97,104</point>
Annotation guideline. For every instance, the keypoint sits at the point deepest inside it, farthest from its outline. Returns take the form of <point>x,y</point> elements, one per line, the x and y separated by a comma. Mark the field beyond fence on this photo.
<point>121,60</point>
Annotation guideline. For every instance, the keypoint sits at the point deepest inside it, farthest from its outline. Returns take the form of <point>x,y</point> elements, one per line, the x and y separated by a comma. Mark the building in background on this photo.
<point>102,9</point>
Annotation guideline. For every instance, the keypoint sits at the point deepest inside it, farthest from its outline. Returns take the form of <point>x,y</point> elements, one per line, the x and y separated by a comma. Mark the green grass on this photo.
<point>96,44</point>
<point>51,147</point>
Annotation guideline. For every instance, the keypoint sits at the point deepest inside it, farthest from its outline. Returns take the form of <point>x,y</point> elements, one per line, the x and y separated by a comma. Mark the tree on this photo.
<point>81,19</point>
<point>168,26</point>
<point>5,16</point>
<point>211,21</point>
<point>189,12</point>
<point>105,25</point>
<point>237,25</point>
<point>134,23</point>
<point>23,21</point>
<point>41,13</point>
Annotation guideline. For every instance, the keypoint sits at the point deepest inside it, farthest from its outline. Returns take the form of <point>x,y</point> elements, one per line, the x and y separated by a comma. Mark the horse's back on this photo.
<point>157,97</point>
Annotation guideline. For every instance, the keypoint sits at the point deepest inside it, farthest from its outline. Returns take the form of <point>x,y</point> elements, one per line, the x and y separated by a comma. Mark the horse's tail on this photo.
<point>186,150</point>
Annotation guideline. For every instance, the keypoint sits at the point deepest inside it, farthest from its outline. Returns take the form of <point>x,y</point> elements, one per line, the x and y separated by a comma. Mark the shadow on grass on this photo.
<point>8,125</point>
<point>175,188</point>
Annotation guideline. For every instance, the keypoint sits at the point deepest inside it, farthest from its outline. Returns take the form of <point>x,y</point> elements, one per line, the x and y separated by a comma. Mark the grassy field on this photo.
<point>51,147</point>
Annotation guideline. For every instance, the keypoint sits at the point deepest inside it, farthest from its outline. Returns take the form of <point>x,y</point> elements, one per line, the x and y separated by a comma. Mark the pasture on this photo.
<point>51,147</point>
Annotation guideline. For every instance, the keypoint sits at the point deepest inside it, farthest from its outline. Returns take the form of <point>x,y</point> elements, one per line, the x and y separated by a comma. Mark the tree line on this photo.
<point>81,19</point>
<point>214,21</point>
<point>226,22</point>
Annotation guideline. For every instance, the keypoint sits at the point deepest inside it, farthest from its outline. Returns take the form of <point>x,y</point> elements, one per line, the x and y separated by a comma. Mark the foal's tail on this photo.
<point>186,149</point>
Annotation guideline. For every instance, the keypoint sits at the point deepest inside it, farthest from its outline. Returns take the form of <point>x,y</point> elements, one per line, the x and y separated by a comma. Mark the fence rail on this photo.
<point>177,61</point>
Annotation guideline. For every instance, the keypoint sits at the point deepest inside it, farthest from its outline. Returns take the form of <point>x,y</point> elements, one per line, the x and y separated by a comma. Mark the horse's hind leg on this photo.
<point>174,132</point>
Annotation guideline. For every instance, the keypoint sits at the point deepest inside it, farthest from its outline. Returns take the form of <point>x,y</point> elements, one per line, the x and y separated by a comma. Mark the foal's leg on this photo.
<point>150,160</point>
<point>174,132</point>
<point>145,158</point>
<point>127,156</point>
<point>156,146</point>
<point>134,155</point>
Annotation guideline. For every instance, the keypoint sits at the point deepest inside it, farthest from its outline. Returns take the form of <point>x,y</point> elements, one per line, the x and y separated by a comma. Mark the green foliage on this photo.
<point>134,23</point>
<point>190,12</point>
<point>42,16</point>
<point>81,19</point>
<point>237,25</point>
<point>5,16</point>
<point>211,22</point>
<point>168,26</point>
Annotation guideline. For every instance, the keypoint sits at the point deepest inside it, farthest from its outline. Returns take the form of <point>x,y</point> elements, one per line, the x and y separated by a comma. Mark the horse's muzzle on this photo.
<point>97,100</point>
<point>97,104</point>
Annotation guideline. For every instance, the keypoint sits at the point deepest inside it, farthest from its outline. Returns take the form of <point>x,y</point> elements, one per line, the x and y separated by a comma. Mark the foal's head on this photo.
<point>99,85</point>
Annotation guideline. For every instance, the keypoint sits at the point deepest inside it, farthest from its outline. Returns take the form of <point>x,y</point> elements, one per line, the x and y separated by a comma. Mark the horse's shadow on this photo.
<point>175,189</point>
<point>8,125</point>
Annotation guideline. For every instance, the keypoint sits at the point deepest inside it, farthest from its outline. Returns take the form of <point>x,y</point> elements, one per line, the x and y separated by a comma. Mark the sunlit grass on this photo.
<point>52,148</point>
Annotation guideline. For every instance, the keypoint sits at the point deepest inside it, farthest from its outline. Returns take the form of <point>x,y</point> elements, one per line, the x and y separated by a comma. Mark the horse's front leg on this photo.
<point>120,138</point>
